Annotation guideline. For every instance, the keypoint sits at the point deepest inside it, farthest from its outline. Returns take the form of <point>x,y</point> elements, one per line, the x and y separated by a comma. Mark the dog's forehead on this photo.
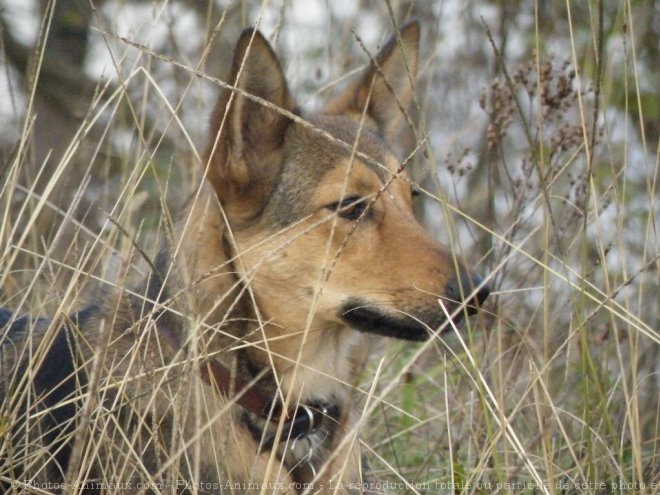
<point>336,139</point>
<point>311,156</point>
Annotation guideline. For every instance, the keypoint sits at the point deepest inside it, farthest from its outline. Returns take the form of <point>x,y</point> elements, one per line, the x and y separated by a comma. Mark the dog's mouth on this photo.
<point>367,317</point>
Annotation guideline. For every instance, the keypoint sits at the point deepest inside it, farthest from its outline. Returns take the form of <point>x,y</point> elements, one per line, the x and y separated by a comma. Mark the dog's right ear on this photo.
<point>386,89</point>
<point>248,128</point>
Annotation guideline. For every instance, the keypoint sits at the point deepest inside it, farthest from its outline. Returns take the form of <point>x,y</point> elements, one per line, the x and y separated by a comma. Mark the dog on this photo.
<point>232,368</point>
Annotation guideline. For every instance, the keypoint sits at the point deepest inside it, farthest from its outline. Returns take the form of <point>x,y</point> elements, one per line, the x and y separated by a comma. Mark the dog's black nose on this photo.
<point>465,285</point>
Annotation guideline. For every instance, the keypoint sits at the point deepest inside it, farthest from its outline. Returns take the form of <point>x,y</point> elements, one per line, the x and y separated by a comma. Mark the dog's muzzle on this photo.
<point>415,323</point>
<point>468,284</point>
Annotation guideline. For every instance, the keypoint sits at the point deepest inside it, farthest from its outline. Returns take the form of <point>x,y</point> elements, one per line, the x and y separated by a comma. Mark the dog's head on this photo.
<point>320,207</point>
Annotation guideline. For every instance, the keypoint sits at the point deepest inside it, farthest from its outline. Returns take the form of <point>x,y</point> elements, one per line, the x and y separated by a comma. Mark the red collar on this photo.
<point>300,421</point>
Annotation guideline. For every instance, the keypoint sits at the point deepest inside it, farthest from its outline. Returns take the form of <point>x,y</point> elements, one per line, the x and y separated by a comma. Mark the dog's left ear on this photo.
<point>248,128</point>
<point>386,89</point>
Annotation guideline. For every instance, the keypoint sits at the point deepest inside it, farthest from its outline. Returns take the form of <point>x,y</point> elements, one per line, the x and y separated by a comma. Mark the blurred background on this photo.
<point>539,127</point>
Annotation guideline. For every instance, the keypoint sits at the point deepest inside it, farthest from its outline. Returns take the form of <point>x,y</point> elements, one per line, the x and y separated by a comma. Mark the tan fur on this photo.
<point>262,273</point>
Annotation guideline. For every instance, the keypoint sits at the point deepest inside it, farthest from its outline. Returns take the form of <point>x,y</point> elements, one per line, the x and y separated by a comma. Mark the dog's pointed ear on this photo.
<point>386,89</point>
<point>248,128</point>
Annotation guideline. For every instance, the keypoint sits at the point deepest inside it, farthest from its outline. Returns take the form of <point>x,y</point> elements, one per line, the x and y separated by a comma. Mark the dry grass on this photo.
<point>553,194</point>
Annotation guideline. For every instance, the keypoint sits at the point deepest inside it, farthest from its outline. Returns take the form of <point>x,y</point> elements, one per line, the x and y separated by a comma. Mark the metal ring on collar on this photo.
<point>311,426</point>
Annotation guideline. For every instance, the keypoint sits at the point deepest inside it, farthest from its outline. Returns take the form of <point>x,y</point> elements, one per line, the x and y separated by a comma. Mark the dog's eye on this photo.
<point>350,208</point>
<point>415,193</point>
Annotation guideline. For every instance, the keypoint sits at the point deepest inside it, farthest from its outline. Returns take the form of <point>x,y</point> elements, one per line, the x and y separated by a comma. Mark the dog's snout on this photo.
<point>464,286</point>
